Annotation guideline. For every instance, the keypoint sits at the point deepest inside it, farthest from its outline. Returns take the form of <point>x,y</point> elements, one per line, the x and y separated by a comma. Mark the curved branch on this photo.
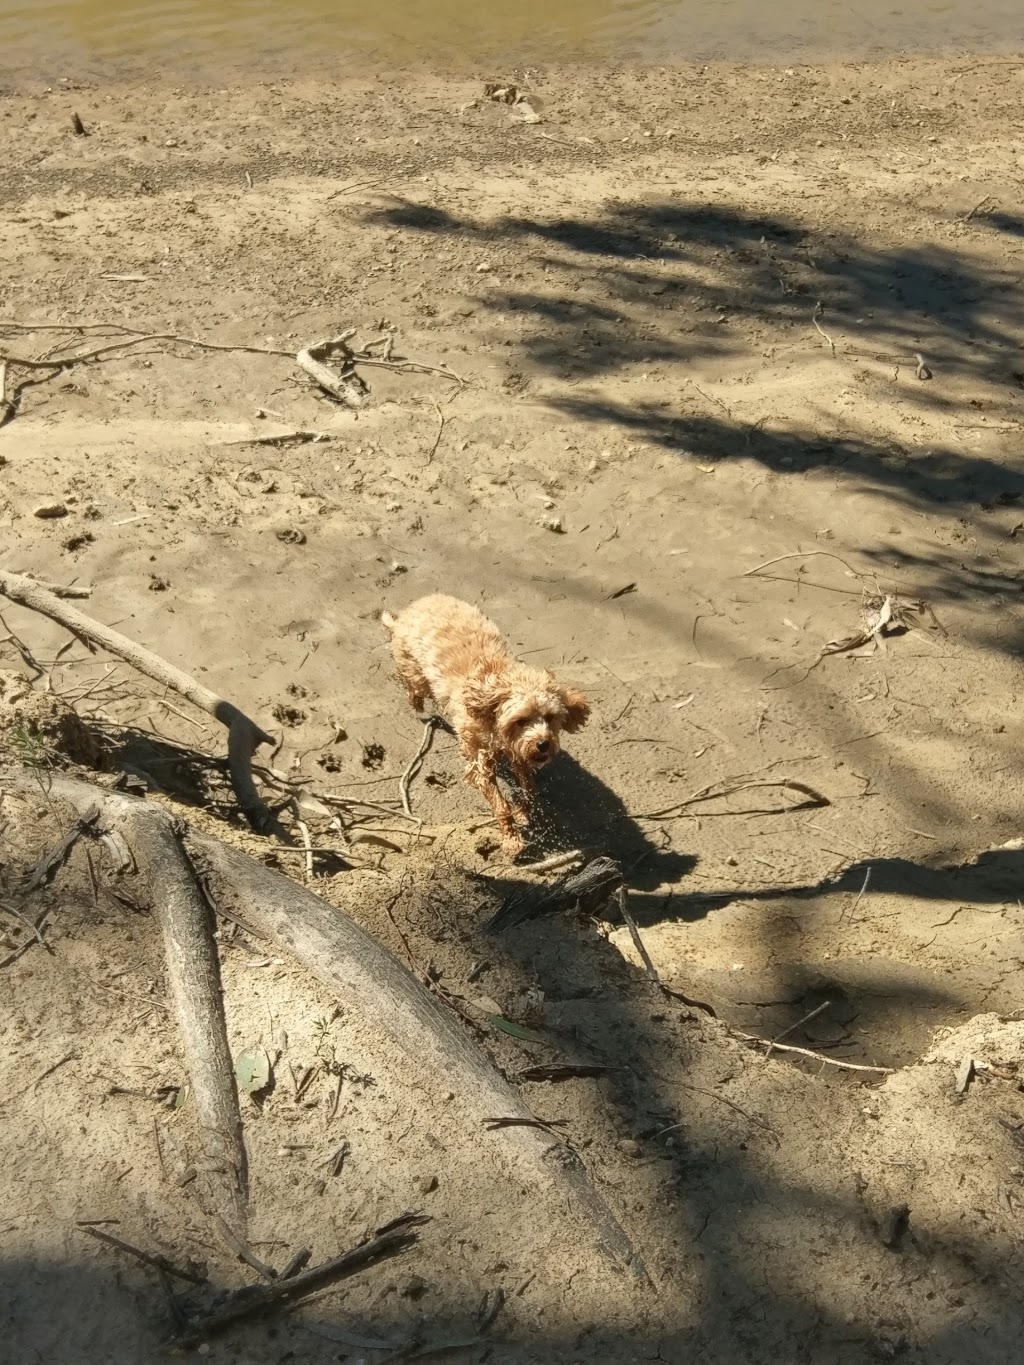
<point>244,735</point>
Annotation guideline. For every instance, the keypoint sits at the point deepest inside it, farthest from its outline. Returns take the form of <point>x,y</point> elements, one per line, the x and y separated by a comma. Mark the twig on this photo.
<point>978,207</point>
<point>34,929</point>
<point>296,1262</point>
<point>415,366</point>
<point>132,338</point>
<point>799,554</point>
<point>813,798</point>
<point>815,1056</point>
<point>158,1262</point>
<point>307,843</point>
<point>256,1299</point>
<point>820,1009</point>
<point>244,1252</point>
<point>556,861</point>
<point>645,957</point>
<point>430,725</point>
<point>860,893</point>
<point>244,736</point>
<point>819,308</point>
<point>6,404</point>
<point>437,439</point>
<point>722,1099</point>
<point>54,858</point>
<point>301,436</point>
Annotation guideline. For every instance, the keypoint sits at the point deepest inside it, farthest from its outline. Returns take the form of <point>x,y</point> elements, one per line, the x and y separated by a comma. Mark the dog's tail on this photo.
<point>388,621</point>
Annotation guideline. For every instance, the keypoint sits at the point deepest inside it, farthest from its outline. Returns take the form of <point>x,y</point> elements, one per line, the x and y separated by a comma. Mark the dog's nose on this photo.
<point>543,745</point>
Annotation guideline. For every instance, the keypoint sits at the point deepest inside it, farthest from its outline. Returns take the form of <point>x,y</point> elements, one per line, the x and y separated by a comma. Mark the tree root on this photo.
<point>398,1010</point>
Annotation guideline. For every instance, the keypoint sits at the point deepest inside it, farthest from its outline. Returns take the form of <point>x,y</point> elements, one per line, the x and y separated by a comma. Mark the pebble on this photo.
<point>553,524</point>
<point>427,1184</point>
<point>49,511</point>
<point>630,1147</point>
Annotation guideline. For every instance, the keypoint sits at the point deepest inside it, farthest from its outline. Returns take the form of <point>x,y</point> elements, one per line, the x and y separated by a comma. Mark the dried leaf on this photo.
<point>516,1030</point>
<point>252,1071</point>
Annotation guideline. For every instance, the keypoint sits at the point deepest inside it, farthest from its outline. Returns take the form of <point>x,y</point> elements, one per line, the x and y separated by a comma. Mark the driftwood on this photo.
<point>244,735</point>
<point>361,973</point>
<point>347,387</point>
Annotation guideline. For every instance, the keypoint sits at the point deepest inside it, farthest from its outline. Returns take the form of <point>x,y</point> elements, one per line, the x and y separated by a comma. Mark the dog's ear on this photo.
<point>483,696</point>
<point>577,709</point>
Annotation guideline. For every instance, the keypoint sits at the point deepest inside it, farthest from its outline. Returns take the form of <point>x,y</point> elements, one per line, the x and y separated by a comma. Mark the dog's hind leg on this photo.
<point>411,675</point>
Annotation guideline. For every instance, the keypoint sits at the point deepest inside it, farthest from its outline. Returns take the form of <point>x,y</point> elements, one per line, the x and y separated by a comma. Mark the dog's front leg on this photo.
<point>480,774</point>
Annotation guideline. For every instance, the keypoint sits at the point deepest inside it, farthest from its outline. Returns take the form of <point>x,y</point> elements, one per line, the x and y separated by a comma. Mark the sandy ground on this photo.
<point>629,292</point>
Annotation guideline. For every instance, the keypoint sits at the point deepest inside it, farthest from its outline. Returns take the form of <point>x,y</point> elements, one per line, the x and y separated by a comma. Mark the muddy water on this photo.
<point>50,37</point>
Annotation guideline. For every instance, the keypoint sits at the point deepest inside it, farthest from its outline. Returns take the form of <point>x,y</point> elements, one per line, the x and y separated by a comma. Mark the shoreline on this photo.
<point>159,134</point>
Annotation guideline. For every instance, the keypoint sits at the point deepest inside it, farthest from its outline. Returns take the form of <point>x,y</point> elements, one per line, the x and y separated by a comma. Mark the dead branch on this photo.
<point>256,1299</point>
<point>799,554</point>
<point>649,968</point>
<point>244,736</point>
<point>819,308</point>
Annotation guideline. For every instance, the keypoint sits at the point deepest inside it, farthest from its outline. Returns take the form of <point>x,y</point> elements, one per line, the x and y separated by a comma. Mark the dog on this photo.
<point>448,652</point>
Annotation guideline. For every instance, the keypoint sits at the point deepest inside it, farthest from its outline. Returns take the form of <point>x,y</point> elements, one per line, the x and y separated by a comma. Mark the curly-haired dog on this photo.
<point>448,651</point>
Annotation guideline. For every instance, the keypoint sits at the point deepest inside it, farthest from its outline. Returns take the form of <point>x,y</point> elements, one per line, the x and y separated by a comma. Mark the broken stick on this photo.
<point>244,735</point>
<point>255,1299</point>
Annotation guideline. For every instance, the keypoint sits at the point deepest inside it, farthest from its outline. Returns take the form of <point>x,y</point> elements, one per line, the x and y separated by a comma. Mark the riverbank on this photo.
<point>667,327</point>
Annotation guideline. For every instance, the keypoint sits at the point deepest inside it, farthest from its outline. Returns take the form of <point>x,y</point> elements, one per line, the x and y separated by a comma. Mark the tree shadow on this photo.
<point>663,282</point>
<point>578,810</point>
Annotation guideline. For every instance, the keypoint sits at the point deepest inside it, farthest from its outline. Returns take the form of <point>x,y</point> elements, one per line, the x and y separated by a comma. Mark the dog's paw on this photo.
<point>512,844</point>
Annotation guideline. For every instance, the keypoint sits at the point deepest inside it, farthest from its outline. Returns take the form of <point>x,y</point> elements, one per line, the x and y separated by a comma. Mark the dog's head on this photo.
<point>526,720</point>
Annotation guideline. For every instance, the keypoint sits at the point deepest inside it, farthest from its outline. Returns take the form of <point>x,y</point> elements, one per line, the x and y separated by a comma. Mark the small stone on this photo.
<point>291,535</point>
<point>170,142</point>
<point>630,1147</point>
<point>553,524</point>
<point>427,1184</point>
<point>50,511</point>
<point>203,1349</point>
<point>483,267</point>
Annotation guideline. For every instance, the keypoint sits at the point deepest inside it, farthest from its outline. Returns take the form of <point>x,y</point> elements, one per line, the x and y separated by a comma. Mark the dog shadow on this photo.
<point>575,809</point>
